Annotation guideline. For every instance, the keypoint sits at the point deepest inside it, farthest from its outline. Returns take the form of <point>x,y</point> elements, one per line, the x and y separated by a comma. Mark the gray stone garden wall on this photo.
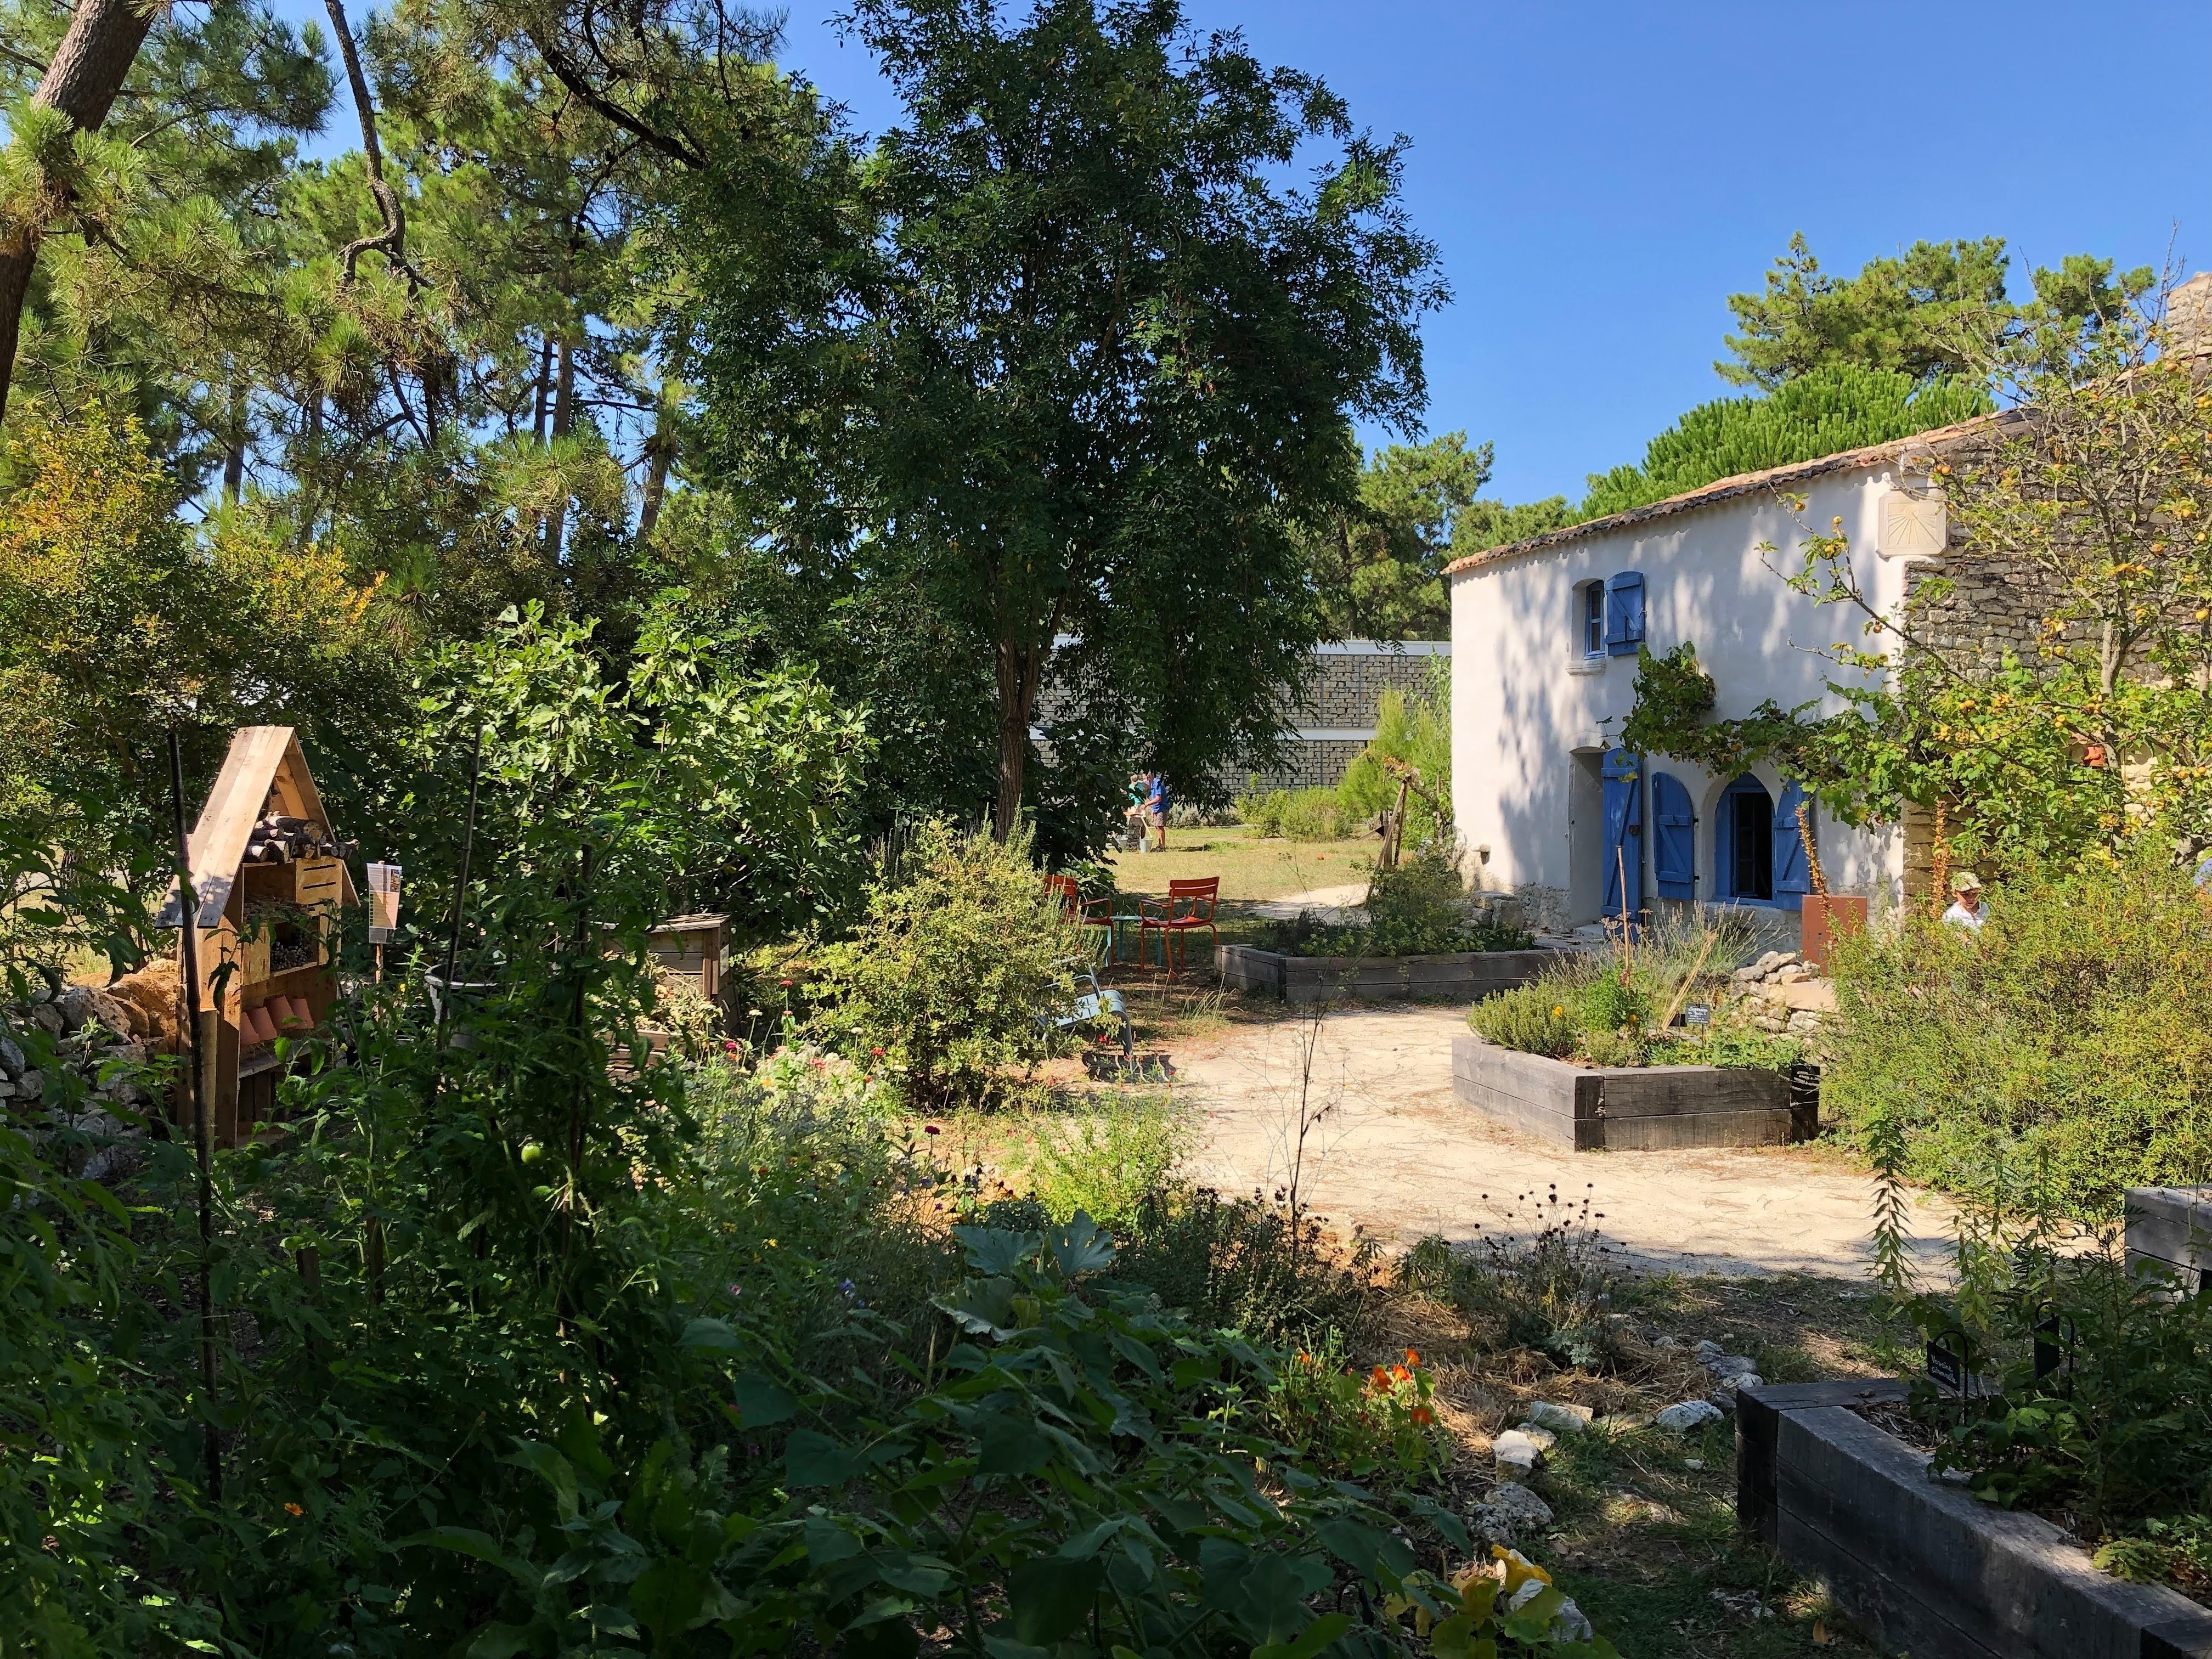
<point>1335,718</point>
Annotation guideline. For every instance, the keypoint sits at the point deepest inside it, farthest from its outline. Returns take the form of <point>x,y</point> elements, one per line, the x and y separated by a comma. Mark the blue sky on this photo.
<point>1599,177</point>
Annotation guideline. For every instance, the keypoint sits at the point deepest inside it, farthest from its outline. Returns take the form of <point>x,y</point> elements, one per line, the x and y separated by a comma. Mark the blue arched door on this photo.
<point>1623,792</point>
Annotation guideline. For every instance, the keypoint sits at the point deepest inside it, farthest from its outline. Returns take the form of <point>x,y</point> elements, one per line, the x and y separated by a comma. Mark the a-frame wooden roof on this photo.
<point>263,759</point>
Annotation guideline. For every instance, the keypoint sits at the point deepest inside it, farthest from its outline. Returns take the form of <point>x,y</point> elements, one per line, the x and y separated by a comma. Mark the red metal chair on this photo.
<point>1188,906</point>
<point>1090,913</point>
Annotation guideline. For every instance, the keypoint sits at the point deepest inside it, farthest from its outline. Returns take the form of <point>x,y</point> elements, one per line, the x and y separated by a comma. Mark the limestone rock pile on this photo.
<point>1783,993</point>
<point>103,1037</point>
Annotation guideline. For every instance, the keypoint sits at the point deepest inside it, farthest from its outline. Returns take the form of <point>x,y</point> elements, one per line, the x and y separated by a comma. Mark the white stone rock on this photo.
<point>30,1084</point>
<point>1725,1366</point>
<point>1509,1510</point>
<point>48,1017</point>
<point>1559,1418</point>
<point>1568,1624</point>
<point>1724,1396</point>
<point>1687,1415</point>
<point>1706,1345</point>
<point>1520,1449</point>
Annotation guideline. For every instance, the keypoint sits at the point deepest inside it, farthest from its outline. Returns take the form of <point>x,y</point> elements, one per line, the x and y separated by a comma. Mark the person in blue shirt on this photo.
<point>1156,807</point>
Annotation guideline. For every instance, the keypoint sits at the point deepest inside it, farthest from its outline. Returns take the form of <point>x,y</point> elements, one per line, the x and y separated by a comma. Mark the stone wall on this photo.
<point>1337,716</point>
<point>1334,720</point>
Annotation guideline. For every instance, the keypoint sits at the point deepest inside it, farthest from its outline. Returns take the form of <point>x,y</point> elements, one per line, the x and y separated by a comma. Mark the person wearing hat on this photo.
<point>1966,909</point>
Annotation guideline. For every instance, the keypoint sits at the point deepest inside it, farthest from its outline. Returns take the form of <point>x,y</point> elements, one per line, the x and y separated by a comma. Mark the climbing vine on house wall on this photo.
<point>2094,508</point>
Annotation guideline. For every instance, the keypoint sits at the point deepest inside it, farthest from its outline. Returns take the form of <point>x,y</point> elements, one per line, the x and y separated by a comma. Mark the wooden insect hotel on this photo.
<point>270,878</point>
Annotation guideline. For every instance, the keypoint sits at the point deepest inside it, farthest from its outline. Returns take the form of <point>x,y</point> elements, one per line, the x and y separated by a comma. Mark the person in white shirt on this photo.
<point>1966,909</point>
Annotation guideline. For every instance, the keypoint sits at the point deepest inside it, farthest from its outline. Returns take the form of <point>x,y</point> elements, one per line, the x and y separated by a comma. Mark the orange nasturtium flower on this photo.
<point>294,1508</point>
<point>1412,1358</point>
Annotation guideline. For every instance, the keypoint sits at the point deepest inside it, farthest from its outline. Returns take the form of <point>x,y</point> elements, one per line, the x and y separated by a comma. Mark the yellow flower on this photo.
<point>1519,1568</point>
<point>1557,1010</point>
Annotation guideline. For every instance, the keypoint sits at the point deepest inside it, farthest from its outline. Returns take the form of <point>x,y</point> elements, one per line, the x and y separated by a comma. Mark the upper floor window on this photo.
<point>1624,613</point>
<point>1609,614</point>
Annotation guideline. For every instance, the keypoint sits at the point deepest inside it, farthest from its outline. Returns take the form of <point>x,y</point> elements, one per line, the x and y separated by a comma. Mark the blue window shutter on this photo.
<point>1624,613</point>
<point>1623,803</point>
<point>1674,839</point>
<point>1792,872</point>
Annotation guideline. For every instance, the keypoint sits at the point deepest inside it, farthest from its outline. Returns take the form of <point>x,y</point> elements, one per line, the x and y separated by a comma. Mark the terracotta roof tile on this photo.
<point>1743,484</point>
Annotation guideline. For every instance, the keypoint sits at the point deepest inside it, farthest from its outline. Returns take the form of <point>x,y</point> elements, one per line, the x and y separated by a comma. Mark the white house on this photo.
<point>1544,635</point>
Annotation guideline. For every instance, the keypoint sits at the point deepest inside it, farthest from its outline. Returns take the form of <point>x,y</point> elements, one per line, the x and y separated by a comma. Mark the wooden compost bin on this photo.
<point>1624,1107</point>
<point>1924,1565</point>
<point>269,893</point>
<point>697,946</point>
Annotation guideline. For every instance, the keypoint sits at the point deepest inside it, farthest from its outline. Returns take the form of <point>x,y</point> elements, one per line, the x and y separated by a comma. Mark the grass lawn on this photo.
<point>1250,868</point>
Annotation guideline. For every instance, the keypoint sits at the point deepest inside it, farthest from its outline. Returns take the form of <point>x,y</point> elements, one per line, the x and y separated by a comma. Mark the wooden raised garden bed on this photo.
<point>1626,1108</point>
<point>1462,975</point>
<point>1925,1567</point>
<point>2170,1228</point>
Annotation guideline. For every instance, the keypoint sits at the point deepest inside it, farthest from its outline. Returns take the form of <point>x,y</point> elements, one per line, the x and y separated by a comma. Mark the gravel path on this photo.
<point>1397,1155</point>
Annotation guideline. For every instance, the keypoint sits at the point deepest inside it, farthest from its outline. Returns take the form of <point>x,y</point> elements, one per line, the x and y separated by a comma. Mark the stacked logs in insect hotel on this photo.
<point>270,878</point>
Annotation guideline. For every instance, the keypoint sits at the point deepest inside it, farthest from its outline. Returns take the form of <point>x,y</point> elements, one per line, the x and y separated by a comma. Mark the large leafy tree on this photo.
<point>1909,314</point>
<point>161,144</point>
<point>1071,345</point>
<point>1379,564</point>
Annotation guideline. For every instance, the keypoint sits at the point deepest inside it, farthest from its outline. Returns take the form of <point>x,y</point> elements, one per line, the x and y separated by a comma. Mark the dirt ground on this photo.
<point>1395,1154</point>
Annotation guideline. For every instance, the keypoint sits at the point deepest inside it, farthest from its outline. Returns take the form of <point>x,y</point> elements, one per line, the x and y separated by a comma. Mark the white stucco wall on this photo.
<point>1531,715</point>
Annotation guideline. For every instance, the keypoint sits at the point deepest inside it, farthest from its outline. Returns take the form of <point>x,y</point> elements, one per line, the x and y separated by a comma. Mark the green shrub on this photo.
<point>1418,910</point>
<point>1609,1005</point>
<point>1534,1018</point>
<point>1263,810</point>
<point>1605,1007</point>
<point>1304,815</point>
<point>1316,815</point>
<point>1109,1162</point>
<point>2073,1030</point>
<point>1354,1423</point>
<point>1238,1264</point>
<point>963,949</point>
<point>1417,730</point>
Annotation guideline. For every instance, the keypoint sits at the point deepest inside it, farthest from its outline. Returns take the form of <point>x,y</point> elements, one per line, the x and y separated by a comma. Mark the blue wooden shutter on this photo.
<point>1623,835</point>
<point>1624,613</point>
<point>1674,839</point>
<point>1792,872</point>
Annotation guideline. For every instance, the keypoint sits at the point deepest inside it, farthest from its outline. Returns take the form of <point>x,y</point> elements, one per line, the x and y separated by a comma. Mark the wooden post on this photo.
<point>204,1050</point>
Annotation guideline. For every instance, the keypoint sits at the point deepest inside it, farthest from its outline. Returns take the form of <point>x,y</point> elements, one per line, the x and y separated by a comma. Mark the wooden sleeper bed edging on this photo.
<point>1923,1566</point>
<point>1462,975</point>
<point>1626,1108</point>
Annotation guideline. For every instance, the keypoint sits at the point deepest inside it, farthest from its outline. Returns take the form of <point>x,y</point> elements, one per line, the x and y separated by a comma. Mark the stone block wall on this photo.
<point>1337,716</point>
<point>1334,720</point>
